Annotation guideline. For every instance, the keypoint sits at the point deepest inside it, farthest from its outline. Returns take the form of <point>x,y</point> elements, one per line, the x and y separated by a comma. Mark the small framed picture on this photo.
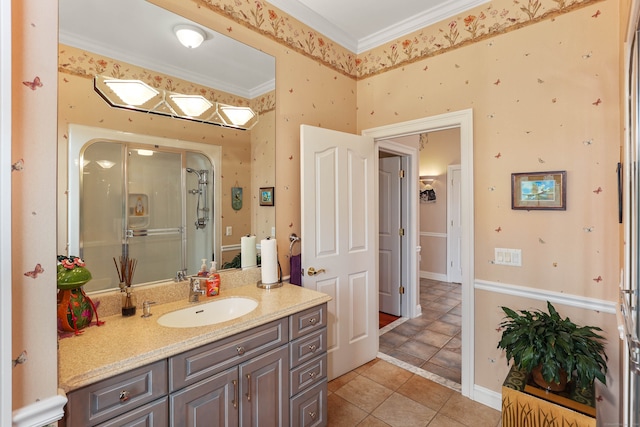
<point>266,196</point>
<point>539,190</point>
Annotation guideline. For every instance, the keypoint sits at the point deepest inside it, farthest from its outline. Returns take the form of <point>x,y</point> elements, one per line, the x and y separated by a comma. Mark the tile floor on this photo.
<point>431,341</point>
<point>415,380</point>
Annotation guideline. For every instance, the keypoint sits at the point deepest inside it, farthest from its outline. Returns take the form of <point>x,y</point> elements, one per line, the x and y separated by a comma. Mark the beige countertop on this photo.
<point>124,343</point>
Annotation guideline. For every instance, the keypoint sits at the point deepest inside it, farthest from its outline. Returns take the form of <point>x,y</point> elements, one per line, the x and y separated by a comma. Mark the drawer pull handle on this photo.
<point>312,374</point>
<point>124,396</point>
<point>312,348</point>
<point>240,350</point>
<point>313,320</point>
<point>312,414</point>
<point>235,394</point>
<point>248,388</point>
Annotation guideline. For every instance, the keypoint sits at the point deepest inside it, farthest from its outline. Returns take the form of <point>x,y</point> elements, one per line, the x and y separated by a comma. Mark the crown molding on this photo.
<point>80,42</point>
<point>435,14</point>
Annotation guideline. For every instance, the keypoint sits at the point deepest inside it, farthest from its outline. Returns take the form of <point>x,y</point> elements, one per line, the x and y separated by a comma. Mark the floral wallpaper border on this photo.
<point>77,62</point>
<point>478,24</point>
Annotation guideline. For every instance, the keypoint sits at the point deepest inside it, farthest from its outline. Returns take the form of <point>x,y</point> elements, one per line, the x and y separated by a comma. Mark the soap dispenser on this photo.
<point>213,281</point>
<point>203,268</point>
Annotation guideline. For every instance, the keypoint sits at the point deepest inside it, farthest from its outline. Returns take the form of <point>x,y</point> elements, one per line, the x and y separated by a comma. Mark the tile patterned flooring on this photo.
<point>415,381</point>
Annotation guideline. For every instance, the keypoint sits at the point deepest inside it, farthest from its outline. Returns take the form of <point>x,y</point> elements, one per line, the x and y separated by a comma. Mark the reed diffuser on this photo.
<point>125,269</point>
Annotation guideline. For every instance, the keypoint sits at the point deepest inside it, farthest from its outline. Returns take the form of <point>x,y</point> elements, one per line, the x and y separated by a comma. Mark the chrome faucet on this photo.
<point>180,275</point>
<point>194,289</point>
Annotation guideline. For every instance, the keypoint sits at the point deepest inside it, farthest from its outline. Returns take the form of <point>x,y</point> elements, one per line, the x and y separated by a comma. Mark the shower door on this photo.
<point>140,202</point>
<point>153,226</point>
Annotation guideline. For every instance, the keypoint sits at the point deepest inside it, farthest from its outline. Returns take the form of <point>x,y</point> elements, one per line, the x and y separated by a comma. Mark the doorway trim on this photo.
<point>462,119</point>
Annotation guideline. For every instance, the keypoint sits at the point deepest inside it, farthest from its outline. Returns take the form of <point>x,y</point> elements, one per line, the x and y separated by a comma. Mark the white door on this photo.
<point>454,221</point>
<point>339,240</point>
<point>390,253</point>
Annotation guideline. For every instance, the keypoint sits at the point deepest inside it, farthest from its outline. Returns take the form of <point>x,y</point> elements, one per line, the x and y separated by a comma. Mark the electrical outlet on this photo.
<point>511,257</point>
<point>229,231</point>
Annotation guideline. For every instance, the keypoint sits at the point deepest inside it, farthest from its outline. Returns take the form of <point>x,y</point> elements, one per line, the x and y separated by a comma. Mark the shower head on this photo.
<point>202,175</point>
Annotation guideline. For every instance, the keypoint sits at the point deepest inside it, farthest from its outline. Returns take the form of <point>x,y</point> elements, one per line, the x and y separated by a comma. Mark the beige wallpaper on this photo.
<point>542,77</point>
<point>438,150</point>
<point>544,97</point>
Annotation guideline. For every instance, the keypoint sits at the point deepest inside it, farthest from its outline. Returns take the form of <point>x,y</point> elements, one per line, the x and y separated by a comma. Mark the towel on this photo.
<point>295,272</point>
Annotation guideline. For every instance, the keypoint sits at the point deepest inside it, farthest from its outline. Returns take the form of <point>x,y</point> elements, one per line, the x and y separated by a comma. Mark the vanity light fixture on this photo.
<point>105,164</point>
<point>189,36</point>
<point>236,116</point>
<point>131,92</point>
<point>137,95</point>
<point>142,152</point>
<point>191,105</point>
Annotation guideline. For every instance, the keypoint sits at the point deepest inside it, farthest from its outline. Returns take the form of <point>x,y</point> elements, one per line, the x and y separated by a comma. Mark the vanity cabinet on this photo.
<point>137,397</point>
<point>272,375</point>
<point>308,375</point>
<point>252,391</point>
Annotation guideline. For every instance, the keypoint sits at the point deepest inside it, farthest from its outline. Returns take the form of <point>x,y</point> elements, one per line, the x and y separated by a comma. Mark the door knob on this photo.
<point>312,271</point>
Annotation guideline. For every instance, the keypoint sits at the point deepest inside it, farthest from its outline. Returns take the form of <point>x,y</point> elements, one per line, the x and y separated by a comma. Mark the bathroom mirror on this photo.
<point>135,39</point>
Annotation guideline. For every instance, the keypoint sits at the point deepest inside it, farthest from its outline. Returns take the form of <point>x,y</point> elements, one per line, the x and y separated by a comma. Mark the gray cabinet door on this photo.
<point>212,402</point>
<point>264,389</point>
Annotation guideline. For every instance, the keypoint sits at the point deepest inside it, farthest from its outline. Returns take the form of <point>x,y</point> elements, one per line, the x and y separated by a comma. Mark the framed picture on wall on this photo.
<point>266,196</point>
<point>539,190</point>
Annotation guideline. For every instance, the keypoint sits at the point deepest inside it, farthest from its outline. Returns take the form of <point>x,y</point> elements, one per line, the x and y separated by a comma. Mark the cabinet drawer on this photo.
<point>309,320</point>
<point>310,407</point>
<point>192,366</point>
<point>109,398</point>
<point>308,347</point>
<point>154,414</point>
<point>304,376</point>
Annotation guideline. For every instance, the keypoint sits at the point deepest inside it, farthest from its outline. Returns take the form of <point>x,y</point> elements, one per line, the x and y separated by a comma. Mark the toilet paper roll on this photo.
<point>269,252</point>
<point>248,251</point>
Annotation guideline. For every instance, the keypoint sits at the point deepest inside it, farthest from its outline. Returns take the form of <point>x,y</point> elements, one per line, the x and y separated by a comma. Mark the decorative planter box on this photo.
<point>526,404</point>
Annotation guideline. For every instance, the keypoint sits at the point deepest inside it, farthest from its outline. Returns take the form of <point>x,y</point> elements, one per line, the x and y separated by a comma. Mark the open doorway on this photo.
<point>431,341</point>
<point>464,121</point>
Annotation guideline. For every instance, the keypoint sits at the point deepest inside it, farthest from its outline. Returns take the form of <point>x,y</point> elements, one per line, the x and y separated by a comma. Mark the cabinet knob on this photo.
<point>312,414</point>
<point>313,320</point>
<point>124,396</point>
<point>240,350</point>
<point>312,348</point>
<point>312,374</point>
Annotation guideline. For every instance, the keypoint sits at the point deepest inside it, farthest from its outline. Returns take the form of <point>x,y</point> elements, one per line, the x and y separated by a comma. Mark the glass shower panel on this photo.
<point>199,205</point>
<point>154,214</point>
<point>101,211</point>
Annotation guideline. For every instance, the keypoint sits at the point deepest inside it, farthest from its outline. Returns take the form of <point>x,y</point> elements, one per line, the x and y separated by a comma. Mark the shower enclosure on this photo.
<point>151,202</point>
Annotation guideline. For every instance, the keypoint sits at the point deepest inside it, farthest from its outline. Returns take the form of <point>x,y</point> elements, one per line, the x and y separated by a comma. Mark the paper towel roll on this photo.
<point>248,251</point>
<point>269,251</point>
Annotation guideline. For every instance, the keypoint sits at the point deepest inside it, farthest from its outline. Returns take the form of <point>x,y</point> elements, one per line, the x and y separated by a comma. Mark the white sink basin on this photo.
<point>220,310</point>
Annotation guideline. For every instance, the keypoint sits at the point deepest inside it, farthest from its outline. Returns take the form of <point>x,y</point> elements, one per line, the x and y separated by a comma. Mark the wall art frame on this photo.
<point>267,196</point>
<point>539,190</point>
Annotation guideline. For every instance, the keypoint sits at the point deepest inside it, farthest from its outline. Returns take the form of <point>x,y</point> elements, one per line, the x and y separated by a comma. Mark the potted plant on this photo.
<point>553,348</point>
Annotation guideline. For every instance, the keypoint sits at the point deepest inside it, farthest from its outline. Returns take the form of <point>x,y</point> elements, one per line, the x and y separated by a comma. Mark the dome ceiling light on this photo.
<point>189,36</point>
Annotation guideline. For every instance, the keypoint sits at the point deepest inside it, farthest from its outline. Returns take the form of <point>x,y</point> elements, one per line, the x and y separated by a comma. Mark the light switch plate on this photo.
<point>229,231</point>
<point>505,256</point>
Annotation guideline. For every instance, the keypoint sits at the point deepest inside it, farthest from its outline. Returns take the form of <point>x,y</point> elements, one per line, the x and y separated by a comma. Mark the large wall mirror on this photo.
<point>169,192</point>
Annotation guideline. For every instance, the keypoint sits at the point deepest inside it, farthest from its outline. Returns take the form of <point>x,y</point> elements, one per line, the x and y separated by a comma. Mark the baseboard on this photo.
<point>41,413</point>
<point>487,397</point>
<point>433,276</point>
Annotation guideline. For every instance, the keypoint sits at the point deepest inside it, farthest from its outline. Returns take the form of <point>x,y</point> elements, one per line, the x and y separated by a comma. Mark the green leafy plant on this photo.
<point>535,338</point>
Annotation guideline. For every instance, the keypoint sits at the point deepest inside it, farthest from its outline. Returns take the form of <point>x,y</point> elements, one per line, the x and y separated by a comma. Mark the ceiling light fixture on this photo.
<point>189,36</point>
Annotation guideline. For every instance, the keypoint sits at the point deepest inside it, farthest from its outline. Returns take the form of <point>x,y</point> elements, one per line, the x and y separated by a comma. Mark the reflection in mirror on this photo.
<point>180,205</point>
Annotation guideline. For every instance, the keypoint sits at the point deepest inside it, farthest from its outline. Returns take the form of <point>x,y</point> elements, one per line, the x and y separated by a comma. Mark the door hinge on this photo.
<point>401,173</point>
<point>401,290</point>
<point>401,232</point>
